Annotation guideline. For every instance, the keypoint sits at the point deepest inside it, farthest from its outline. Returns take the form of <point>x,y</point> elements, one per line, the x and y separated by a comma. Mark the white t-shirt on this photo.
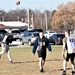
<point>71,44</point>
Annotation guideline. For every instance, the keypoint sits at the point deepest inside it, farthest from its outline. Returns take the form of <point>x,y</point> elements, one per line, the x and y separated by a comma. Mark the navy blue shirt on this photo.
<point>42,44</point>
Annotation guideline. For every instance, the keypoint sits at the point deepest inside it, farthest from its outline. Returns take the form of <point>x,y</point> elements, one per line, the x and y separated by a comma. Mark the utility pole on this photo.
<point>51,12</point>
<point>28,18</point>
<point>18,18</point>
<point>46,21</point>
<point>2,18</point>
<point>22,20</point>
<point>0,15</point>
<point>32,20</point>
<point>41,22</point>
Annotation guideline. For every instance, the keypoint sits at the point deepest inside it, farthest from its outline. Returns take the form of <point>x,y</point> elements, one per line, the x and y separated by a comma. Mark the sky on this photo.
<point>42,5</point>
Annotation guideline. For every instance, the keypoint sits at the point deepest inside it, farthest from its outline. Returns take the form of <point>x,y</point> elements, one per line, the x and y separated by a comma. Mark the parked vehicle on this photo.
<point>29,37</point>
<point>2,32</point>
<point>38,30</point>
<point>47,34</point>
<point>34,30</point>
<point>26,31</point>
<point>16,33</point>
<point>22,30</point>
<point>56,38</point>
<point>1,38</point>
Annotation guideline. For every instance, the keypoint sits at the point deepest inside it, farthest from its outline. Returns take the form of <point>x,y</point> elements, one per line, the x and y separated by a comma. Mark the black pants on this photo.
<point>70,56</point>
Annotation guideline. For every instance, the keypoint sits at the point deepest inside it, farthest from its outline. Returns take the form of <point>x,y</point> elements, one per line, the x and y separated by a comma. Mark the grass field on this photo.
<point>26,64</point>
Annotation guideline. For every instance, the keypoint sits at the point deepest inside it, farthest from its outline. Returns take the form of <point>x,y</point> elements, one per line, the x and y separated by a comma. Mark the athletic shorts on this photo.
<point>5,47</point>
<point>42,54</point>
<point>71,57</point>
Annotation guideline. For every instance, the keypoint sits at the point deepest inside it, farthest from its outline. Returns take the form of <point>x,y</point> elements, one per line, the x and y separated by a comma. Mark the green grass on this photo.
<point>26,64</point>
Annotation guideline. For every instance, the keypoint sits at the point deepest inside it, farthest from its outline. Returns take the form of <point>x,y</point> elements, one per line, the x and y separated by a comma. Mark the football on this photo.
<point>18,2</point>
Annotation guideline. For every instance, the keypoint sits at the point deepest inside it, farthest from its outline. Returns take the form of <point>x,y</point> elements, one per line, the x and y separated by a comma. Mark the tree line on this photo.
<point>57,20</point>
<point>64,17</point>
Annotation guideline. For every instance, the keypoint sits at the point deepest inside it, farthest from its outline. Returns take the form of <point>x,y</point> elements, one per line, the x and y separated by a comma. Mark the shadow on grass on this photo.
<point>60,69</point>
<point>34,61</point>
<point>54,60</point>
<point>24,62</point>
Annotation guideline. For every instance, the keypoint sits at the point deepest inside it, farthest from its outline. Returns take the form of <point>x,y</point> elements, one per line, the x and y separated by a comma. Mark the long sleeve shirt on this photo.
<point>45,43</point>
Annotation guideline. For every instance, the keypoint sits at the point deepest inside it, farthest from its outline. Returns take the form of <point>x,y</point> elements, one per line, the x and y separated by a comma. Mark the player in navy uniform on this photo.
<point>69,48</point>
<point>40,45</point>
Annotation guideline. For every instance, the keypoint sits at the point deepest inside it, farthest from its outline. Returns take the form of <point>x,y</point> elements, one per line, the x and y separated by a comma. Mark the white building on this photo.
<point>13,24</point>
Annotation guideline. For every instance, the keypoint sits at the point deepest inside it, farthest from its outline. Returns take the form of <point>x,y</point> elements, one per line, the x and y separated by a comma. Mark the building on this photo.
<point>14,24</point>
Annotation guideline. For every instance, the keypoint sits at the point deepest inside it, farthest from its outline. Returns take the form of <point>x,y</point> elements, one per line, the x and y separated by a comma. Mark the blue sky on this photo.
<point>33,4</point>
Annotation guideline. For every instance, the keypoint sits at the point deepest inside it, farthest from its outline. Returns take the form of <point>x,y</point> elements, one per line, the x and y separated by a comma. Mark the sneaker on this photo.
<point>42,70</point>
<point>11,62</point>
<point>72,73</point>
<point>64,73</point>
